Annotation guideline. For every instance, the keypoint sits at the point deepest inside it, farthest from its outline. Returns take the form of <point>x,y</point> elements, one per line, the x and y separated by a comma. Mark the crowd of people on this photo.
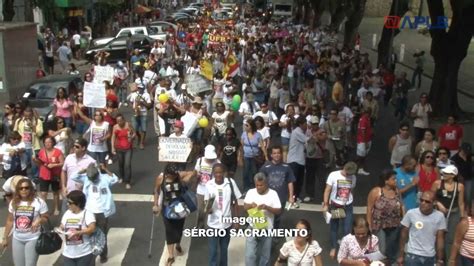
<point>300,130</point>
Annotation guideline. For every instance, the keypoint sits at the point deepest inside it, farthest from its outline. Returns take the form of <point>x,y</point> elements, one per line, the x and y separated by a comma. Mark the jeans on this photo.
<point>468,188</point>
<point>24,252</point>
<point>257,251</point>
<point>465,261</point>
<point>34,167</point>
<point>417,73</point>
<point>345,222</point>
<point>125,164</point>
<point>401,106</point>
<point>277,218</point>
<point>102,222</point>
<point>81,127</point>
<point>98,156</point>
<point>389,243</point>
<point>122,93</point>
<point>219,245</point>
<point>87,260</point>
<point>452,222</point>
<point>415,260</point>
<point>250,169</point>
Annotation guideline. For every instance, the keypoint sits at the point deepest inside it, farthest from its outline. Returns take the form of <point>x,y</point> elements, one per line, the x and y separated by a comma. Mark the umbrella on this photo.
<point>142,9</point>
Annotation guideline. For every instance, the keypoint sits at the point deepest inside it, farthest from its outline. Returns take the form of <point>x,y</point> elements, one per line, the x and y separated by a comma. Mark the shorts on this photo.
<point>285,141</point>
<point>45,184</point>
<point>139,123</point>
<point>361,151</point>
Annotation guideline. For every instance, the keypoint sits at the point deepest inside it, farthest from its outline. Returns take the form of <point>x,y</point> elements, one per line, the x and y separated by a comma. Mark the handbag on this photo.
<point>260,157</point>
<point>189,198</point>
<point>338,212</point>
<point>97,241</point>
<point>48,242</point>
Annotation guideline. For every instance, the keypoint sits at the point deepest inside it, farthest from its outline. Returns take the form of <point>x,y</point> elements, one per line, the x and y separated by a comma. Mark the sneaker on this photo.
<point>362,172</point>
<point>109,161</point>
<point>120,180</point>
<point>298,200</point>
<point>127,186</point>
<point>296,205</point>
<point>120,104</point>
<point>306,199</point>
<point>107,157</point>
<point>125,104</point>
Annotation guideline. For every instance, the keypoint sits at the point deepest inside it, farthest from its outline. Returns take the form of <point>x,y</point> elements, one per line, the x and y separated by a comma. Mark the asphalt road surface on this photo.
<point>130,227</point>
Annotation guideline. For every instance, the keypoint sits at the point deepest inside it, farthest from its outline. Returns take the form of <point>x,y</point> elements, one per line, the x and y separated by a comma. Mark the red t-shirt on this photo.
<point>450,136</point>
<point>388,79</point>
<point>426,179</point>
<point>364,125</point>
<point>122,141</point>
<point>44,172</point>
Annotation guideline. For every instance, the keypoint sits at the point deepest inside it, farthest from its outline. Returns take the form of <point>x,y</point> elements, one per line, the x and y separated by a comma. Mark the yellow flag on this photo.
<point>206,69</point>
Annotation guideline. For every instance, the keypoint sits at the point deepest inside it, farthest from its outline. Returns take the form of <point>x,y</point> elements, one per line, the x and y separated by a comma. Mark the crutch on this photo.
<point>151,235</point>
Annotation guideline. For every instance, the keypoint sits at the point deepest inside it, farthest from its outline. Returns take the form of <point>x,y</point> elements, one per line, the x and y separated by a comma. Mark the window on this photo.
<point>124,33</point>
<point>140,31</point>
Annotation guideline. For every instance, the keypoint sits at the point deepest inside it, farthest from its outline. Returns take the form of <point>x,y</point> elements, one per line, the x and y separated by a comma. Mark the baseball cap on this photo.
<point>450,169</point>
<point>210,152</point>
<point>179,123</point>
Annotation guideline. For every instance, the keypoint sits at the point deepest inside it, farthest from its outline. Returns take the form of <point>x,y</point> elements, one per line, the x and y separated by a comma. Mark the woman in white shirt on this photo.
<point>77,225</point>
<point>301,251</point>
<point>98,134</point>
<point>264,131</point>
<point>26,215</point>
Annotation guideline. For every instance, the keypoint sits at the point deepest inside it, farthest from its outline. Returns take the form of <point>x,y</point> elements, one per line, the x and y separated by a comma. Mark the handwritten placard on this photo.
<point>103,73</point>
<point>196,84</point>
<point>174,149</point>
<point>94,95</point>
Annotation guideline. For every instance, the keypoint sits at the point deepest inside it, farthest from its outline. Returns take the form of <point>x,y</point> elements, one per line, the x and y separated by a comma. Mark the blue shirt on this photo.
<point>279,176</point>
<point>410,196</point>
<point>102,187</point>
<point>250,146</point>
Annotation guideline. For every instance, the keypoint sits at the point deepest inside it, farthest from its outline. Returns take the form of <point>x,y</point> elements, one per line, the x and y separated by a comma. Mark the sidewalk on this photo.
<point>413,40</point>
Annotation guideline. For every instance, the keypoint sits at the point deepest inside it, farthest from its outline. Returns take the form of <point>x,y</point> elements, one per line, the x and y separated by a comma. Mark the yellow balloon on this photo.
<point>203,122</point>
<point>163,98</point>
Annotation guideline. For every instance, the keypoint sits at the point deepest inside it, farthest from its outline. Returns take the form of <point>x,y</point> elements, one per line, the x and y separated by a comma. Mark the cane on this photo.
<point>151,235</point>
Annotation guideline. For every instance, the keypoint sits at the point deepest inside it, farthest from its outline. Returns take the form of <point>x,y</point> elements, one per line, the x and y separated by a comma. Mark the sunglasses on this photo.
<point>426,201</point>
<point>429,157</point>
<point>25,188</point>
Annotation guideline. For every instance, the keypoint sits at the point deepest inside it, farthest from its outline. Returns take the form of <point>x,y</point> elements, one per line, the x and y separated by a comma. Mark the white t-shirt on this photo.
<point>96,133</point>
<point>270,199</point>
<point>245,109</point>
<point>221,207</point>
<point>294,255</point>
<point>135,96</point>
<point>24,216</point>
<point>283,98</point>
<point>268,117</point>
<point>78,246</point>
<point>341,188</point>
<point>422,120</point>
<point>204,171</point>
<point>6,148</point>
<point>77,39</point>
<point>173,135</point>
<point>284,119</point>
<point>265,132</point>
<point>221,121</point>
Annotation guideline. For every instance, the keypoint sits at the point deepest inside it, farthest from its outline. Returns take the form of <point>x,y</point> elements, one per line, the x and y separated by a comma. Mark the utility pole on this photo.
<point>388,60</point>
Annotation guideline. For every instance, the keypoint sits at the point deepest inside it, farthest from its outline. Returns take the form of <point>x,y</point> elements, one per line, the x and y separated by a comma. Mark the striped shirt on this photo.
<point>467,245</point>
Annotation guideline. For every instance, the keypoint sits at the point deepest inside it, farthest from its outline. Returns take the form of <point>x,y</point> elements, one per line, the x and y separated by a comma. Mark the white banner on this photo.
<point>94,95</point>
<point>196,84</point>
<point>174,149</point>
<point>103,73</point>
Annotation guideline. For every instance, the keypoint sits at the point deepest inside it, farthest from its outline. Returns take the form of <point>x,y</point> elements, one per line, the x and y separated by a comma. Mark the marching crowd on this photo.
<point>286,104</point>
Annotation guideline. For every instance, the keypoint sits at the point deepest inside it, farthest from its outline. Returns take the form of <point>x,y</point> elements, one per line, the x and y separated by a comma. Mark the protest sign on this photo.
<point>103,73</point>
<point>174,149</point>
<point>196,84</point>
<point>94,95</point>
<point>216,38</point>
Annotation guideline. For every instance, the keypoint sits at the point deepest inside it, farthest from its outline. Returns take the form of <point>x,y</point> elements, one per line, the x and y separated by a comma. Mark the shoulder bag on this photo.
<point>97,239</point>
<point>304,254</point>
<point>48,242</point>
<point>260,157</point>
